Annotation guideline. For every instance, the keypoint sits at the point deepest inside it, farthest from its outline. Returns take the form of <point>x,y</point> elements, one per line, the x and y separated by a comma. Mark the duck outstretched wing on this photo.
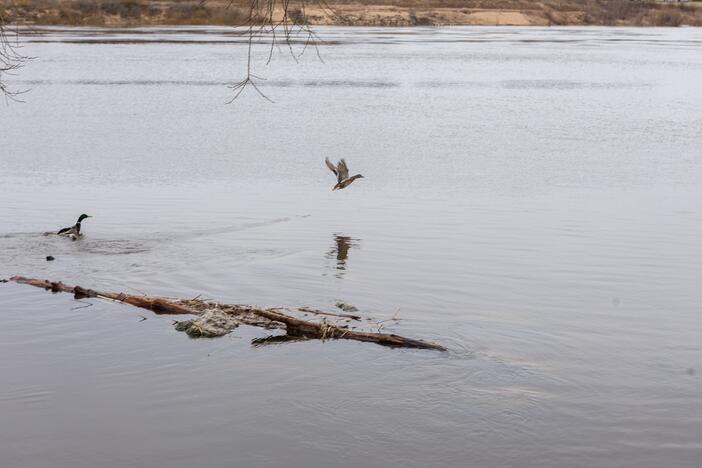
<point>343,170</point>
<point>331,166</point>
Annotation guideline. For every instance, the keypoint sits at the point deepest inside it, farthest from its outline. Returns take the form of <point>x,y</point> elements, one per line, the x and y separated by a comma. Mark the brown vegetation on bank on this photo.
<point>357,12</point>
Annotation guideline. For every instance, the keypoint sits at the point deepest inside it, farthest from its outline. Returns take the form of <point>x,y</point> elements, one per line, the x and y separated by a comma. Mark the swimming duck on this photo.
<point>342,174</point>
<point>73,232</point>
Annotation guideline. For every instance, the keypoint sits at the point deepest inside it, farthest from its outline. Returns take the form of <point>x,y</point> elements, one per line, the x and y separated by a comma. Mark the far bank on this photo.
<point>355,13</point>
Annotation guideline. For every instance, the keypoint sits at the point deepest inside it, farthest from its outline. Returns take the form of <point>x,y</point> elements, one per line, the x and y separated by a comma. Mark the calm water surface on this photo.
<point>531,200</point>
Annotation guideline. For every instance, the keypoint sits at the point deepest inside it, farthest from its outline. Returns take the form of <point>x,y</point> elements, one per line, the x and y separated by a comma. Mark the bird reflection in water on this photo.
<point>340,251</point>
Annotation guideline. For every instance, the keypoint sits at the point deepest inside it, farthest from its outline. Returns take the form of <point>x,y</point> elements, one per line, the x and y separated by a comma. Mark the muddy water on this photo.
<point>531,199</point>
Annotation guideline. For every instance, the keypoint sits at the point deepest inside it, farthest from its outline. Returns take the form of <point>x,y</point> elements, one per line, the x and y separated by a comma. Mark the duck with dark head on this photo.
<point>73,232</point>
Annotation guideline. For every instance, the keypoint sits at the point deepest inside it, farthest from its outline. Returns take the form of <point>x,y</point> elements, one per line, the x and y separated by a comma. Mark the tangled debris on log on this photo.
<point>210,324</point>
<point>220,316</point>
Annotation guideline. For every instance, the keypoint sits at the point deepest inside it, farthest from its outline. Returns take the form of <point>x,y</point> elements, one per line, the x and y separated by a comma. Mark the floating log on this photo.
<point>265,318</point>
<point>154,304</point>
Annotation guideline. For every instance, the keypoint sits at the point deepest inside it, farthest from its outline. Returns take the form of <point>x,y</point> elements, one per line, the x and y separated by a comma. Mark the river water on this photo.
<point>531,200</point>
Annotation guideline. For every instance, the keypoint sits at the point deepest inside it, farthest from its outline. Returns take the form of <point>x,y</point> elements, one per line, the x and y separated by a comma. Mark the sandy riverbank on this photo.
<point>361,13</point>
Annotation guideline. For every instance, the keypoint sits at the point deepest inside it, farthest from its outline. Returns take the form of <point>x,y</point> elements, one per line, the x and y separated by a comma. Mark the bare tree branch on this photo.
<point>279,22</point>
<point>11,59</point>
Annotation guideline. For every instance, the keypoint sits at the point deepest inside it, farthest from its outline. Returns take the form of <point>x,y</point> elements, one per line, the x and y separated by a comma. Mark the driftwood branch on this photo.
<point>311,310</point>
<point>265,318</point>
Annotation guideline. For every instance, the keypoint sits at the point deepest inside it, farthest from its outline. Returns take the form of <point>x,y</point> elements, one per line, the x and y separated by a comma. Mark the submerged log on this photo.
<point>265,318</point>
<point>154,304</point>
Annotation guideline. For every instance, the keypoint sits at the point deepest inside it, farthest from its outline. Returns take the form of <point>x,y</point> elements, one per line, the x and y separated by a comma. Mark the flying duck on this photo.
<point>342,174</point>
<point>73,232</point>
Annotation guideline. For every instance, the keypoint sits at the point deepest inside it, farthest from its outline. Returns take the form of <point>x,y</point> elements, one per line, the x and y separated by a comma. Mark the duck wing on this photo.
<point>343,170</point>
<point>331,166</point>
<point>64,230</point>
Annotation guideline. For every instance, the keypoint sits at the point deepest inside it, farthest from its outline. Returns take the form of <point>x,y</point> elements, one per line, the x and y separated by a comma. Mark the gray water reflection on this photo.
<point>340,252</point>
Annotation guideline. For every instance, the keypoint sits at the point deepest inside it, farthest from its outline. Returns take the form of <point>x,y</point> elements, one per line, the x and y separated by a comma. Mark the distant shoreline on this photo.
<point>356,13</point>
